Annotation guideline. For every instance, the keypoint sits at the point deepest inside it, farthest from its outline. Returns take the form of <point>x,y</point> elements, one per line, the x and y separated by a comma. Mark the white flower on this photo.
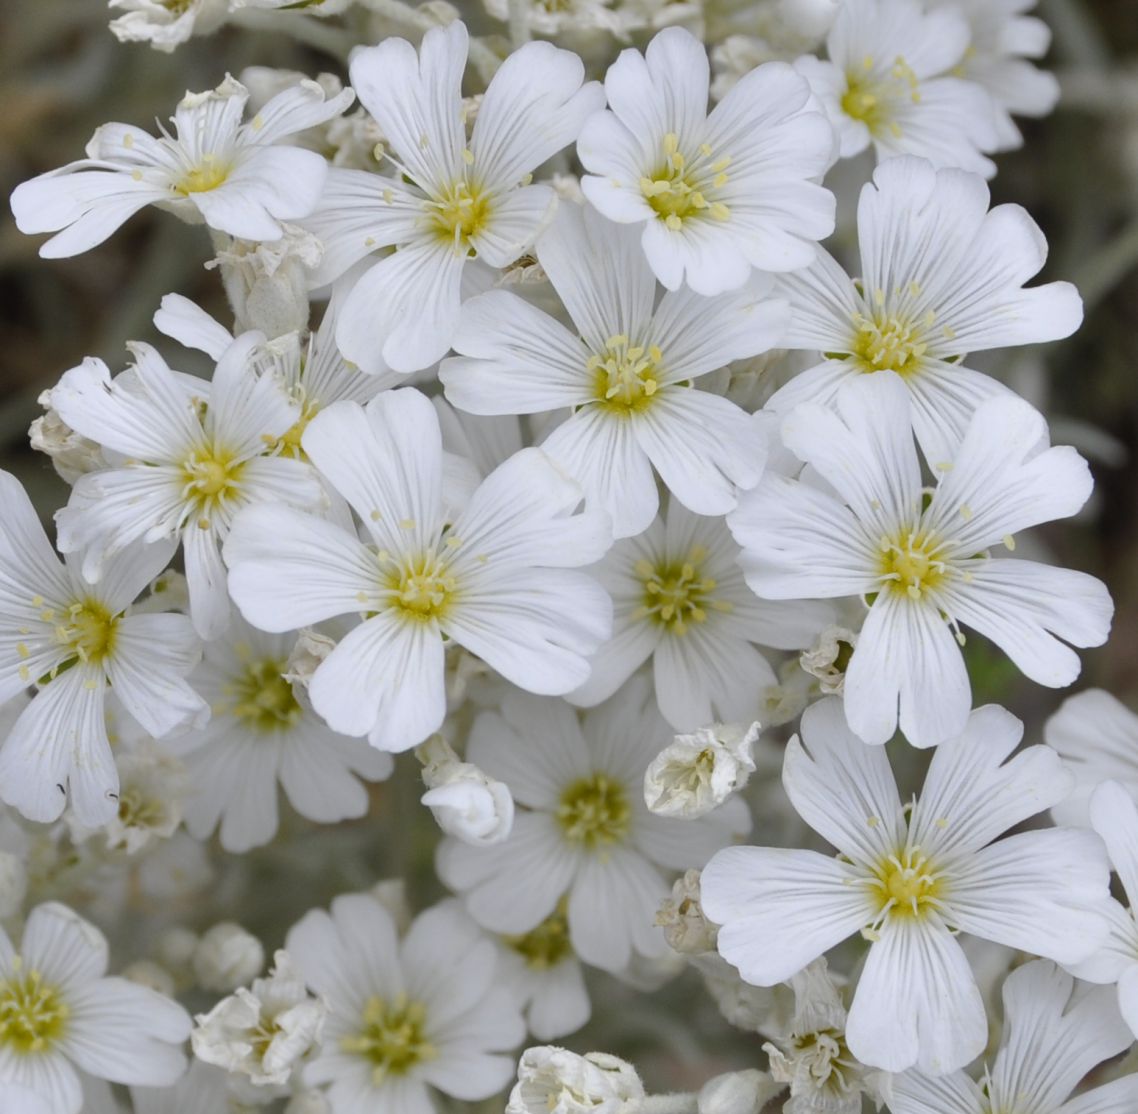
<point>73,639</point>
<point>812,1055</point>
<point>163,25</point>
<point>628,374</point>
<point>1096,735</point>
<point>495,578</point>
<point>924,559</point>
<point>717,194</point>
<point>151,787</point>
<point>265,1031</point>
<point>887,83</point>
<point>237,178</point>
<point>556,1081</point>
<point>910,882</point>
<point>451,199</point>
<point>464,802</point>
<point>260,736</point>
<point>681,602</point>
<point>59,1013</point>
<point>541,970</point>
<point>1114,815</point>
<point>585,832</point>
<point>226,957</point>
<point>196,452</point>
<point>1055,1033</point>
<point>696,773</point>
<point>1003,38</point>
<point>829,658</point>
<point>406,1015</point>
<point>941,276</point>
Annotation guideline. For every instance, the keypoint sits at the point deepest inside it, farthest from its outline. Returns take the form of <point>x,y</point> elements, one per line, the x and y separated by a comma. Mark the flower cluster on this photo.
<point>546,440</point>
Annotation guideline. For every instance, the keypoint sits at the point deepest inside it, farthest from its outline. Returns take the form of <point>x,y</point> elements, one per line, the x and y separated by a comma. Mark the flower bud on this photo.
<point>227,957</point>
<point>681,917</point>
<point>737,1092</point>
<point>465,802</point>
<point>829,657</point>
<point>555,1081</point>
<point>698,772</point>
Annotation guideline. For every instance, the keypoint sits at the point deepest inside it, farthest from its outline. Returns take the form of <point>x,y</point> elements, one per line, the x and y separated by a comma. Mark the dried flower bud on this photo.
<point>698,772</point>
<point>681,917</point>
<point>465,802</point>
<point>829,657</point>
<point>555,1081</point>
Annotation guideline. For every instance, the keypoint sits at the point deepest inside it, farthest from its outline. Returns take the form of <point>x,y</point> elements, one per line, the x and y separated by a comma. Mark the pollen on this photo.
<point>263,701</point>
<point>887,342</point>
<point>595,812</point>
<point>87,629</point>
<point>421,588</point>
<point>625,375</point>
<point>548,944</point>
<point>677,594</point>
<point>905,885</point>
<point>459,214</point>
<point>392,1037</point>
<point>873,95</point>
<point>33,1016</point>
<point>682,188</point>
<point>912,563</point>
<point>209,173</point>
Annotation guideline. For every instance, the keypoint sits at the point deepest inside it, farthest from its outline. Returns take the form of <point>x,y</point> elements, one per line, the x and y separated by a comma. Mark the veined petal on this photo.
<point>522,514</point>
<point>416,100</point>
<point>801,543</point>
<point>58,751</point>
<point>387,461</point>
<point>842,788</point>
<point>697,335</point>
<point>864,448</point>
<point>537,627</point>
<point>384,680</point>
<point>975,791</point>
<point>1025,608</point>
<point>360,212</point>
<point>1114,816</point>
<point>87,204</point>
<point>516,218</point>
<point>289,569</point>
<point>190,325</point>
<point>603,454</point>
<point>1004,478</point>
<point>1120,1096</point>
<point>62,946</point>
<point>248,404</point>
<point>911,1092</point>
<point>295,109</point>
<point>601,276</point>
<point>534,106</point>
<point>515,359</point>
<point>916,1003</point>
<point>703,446</point>
<point>405,309</point>
<point>1045,892</point>
<point>780,909</point>
<point>906,668</point>
<point>205,578</point>
<point>1053,1036</point>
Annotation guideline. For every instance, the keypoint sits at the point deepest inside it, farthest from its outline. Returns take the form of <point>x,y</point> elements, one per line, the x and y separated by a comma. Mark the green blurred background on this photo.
<point>63,73</point>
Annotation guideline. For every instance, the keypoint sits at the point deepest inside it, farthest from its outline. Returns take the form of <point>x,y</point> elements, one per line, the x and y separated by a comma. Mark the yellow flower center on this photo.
<point>625,375</point>
<point>678,189</point>
<point>422,587</point>
<point>676,594</point>
<point>392,1036</point>
<point>872,97</point>
<point>263,699</point>
<point>905,885</point>
<point>88,630</point>
<point>136,810</point>
<point>888,343</point>
<point>548,944</point>
<point>209,173</point>
<point>33,1017</point>
<point>460,214</point>
<point>594,811</point>
<point>211,477</point>
<point>288,444</point>
<point>912,563</point>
